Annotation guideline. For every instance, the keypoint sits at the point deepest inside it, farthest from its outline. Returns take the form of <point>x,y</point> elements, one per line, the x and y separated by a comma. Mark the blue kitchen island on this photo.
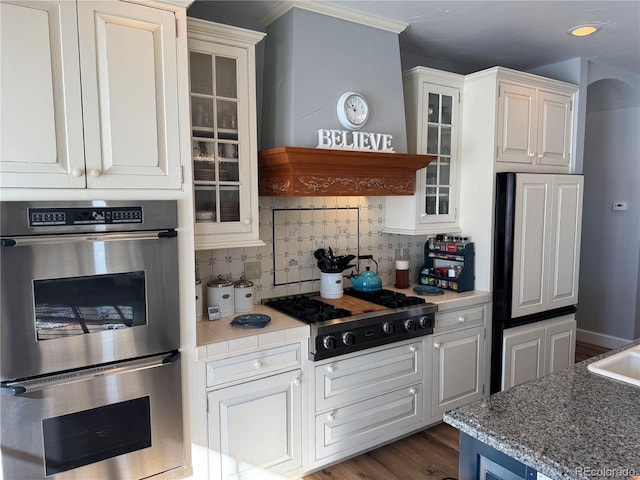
<point>573,424</point>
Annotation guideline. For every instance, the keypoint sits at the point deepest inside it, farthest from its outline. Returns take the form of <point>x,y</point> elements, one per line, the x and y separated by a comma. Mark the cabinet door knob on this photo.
<point>436,345</point>
<point>95,173</point>
<point>461,318</point>
<point>257,364</point>
<point>247,221</point>
<point>531,155</point>
<point>412,349</point>
<point>412,390</point>
<point>77,172</point>
<point>331,368</point>
<point>297,381</point>
<point>331,417</point>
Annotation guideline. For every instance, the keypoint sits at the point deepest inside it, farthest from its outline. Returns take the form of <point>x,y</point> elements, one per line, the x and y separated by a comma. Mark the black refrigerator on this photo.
<point>506,228</point>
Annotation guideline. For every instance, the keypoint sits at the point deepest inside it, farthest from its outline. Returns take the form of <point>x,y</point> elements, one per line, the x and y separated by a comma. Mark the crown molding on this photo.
<point>337,11</point>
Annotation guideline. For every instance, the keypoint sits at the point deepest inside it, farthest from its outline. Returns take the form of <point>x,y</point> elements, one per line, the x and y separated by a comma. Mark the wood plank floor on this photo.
<point>431,454</point>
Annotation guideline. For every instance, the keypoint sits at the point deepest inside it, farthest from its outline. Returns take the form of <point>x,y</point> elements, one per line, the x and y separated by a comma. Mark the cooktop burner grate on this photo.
<point>306,309</point>
<point>386,298</point>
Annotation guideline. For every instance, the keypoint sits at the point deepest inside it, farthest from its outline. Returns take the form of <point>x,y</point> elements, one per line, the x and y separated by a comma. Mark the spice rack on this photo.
<point>448,265</point>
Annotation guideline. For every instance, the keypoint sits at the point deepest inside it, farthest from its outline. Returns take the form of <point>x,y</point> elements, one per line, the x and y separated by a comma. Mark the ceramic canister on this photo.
<point>198,300</point>
<point>331,285</point>
<point>220,293</point>
<point>243,295</point>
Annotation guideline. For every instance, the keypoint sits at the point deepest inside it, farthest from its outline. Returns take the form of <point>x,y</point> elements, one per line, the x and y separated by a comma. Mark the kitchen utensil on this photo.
<point>366,281</point>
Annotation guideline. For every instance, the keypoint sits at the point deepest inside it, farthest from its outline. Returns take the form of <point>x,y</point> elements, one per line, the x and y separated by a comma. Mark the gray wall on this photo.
<point>610,260</point>
<point>310,60</point>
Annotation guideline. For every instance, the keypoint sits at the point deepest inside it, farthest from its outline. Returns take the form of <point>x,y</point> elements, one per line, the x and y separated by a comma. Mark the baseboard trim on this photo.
<point>601,339</point>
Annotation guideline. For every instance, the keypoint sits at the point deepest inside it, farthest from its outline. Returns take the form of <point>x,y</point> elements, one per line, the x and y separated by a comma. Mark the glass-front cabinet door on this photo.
<point>432,102</point>
<point>438,180</point>
<point>223,137</point>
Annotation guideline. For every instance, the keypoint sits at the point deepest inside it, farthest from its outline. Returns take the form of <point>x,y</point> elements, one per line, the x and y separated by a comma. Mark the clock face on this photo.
<point>353,110</point>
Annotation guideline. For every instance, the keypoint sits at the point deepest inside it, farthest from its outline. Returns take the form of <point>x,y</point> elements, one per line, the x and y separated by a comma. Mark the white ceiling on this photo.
<point>519,34</point>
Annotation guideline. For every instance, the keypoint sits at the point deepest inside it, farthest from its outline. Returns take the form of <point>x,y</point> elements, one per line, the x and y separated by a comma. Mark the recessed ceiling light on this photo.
<point>583,30</point>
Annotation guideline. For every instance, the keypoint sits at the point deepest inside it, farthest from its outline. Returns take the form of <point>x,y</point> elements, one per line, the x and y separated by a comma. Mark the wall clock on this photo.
<point>353,110</point>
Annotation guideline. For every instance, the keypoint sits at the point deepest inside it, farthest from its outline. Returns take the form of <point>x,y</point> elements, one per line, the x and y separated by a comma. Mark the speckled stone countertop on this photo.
<point>573,424</point>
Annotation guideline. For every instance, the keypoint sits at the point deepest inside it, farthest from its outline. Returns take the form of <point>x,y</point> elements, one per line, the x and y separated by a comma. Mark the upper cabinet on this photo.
<point>534,127</point>
<point>433,113</point>
<point>89,96</point>
<point>223,134</point>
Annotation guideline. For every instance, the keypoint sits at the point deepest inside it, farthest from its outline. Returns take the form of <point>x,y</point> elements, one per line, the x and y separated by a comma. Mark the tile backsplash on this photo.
<point>293,228</point>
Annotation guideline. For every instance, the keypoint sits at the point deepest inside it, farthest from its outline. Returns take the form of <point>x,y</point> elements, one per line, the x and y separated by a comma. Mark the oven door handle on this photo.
<point>127,366</point>
<point>87,237</point>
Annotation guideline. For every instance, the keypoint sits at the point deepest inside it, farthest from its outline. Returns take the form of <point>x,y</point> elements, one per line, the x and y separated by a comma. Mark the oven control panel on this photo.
<point>45,217</point>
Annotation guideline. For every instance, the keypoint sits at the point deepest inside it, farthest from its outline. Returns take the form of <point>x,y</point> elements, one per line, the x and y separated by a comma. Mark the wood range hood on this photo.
<point>300,172</point>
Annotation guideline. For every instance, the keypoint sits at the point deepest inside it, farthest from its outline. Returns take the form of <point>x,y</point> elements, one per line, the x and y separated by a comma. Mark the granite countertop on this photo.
<point>569,425</point>
<point>217,338</point>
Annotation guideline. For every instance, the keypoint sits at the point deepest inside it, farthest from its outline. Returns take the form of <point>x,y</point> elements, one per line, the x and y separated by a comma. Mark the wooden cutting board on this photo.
<point>353,304</point>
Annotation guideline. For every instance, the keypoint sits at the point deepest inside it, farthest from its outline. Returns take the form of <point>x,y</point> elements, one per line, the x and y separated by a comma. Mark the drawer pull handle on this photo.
<point>412,391</point>
<point>461,319</point>
<point>412,349</point>
<point>331,417</point>
<point>257,364</point>
<point>331,369</point>
<point>436,346</point>
<point>296,381</point>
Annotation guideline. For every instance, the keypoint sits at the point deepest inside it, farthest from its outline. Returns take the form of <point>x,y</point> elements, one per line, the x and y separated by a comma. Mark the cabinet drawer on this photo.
<point>363,425</point>
<point>253,364</point>
<point>463,318</point>
<point>354,379</point>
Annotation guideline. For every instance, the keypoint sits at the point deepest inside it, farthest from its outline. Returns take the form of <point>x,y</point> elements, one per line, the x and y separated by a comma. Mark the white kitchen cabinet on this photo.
<point>458,359</point>
<point>254,414</point>
<point>224,134</point>
<point>433,114</point>
<point>363,400</point>
<point>256,427</point>
<point>98,89</point>
<point>547,234</point>
<point>537,349</point>
<point>534,127</point>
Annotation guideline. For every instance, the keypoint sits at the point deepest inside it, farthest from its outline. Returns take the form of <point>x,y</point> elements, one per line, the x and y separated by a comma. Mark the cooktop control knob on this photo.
<point>409,325</point>
<point>388,328</point>
<point>348,338</point>
<point>424,322</point>
<point>329,342</point>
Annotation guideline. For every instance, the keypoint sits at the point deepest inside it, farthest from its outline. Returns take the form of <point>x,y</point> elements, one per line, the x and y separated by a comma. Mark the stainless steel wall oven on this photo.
<point>89,337</point>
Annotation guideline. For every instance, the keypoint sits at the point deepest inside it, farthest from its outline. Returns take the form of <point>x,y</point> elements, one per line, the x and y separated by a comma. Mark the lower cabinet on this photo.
<point>537,349</point>
<point>254,414</point>
<point>256,427</point>
<point>458,369</point>
<point>458,352</point>
<point>363,400</point>
<point>479,461</point>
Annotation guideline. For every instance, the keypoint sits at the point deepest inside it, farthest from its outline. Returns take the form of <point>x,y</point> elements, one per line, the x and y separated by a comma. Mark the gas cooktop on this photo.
<point>358,320</point>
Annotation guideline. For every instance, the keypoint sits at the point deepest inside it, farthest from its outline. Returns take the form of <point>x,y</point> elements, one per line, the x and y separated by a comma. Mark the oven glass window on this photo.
<point>89,436</point>
<point>79,305</point>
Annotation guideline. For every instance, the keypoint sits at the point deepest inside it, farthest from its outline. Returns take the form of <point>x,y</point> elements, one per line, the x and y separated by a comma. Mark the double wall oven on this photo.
<point>90,370</point>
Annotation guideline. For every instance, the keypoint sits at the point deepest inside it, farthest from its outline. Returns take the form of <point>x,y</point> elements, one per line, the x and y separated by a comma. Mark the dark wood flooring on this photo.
<point>431,454</point>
